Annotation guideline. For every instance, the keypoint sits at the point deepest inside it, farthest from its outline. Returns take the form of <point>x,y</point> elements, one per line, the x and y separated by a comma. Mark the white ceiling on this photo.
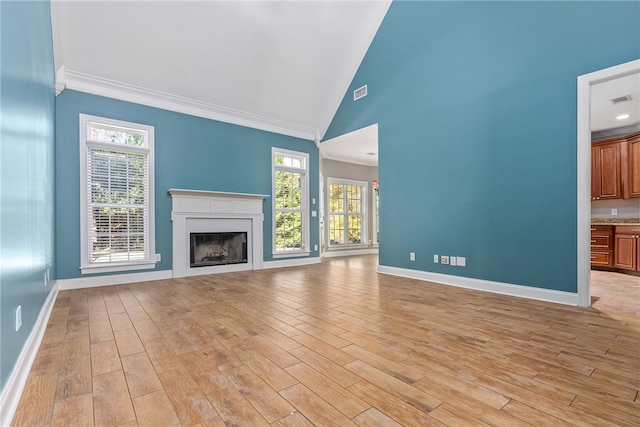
<point>282,66</point>
<point>604,113</point>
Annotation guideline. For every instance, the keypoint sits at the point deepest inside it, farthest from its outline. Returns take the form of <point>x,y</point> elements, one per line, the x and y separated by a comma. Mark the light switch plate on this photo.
<point>462,261</point>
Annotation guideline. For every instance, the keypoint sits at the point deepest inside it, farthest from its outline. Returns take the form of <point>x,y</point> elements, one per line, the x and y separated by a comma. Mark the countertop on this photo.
<point>615,221</point>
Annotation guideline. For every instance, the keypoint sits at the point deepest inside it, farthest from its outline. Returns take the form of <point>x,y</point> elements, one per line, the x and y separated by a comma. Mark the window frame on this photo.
<point>364,212</point>
<point>150,259</point>
<point>304,202</point>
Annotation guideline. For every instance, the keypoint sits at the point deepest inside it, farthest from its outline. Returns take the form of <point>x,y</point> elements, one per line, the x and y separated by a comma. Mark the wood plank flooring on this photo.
<point>333,344</point>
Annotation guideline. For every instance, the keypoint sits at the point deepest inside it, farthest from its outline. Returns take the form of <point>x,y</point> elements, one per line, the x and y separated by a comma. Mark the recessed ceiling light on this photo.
<point>622,117</point>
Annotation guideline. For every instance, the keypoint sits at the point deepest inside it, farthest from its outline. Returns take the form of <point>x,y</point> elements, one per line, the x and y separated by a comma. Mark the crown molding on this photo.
<point>69,79</point>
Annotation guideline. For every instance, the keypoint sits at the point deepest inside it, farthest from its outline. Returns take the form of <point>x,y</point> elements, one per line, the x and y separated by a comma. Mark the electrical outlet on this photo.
<point>444,259</point>
<point>614,211</point>
<point>436,259</point>
<point>462,261</point>
<point>18,318</point>
<point>412,256</point>
<point>452,260</point>
<point>315,247</point>
<point>158,257</point>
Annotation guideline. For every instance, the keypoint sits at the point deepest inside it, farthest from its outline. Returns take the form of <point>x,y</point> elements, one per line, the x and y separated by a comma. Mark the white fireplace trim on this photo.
<point>197,204</point>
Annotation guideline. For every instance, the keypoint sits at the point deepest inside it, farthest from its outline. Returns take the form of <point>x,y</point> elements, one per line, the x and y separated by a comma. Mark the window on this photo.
<point>347,207</point>
<point>116,184</point>
<point>290,189</point>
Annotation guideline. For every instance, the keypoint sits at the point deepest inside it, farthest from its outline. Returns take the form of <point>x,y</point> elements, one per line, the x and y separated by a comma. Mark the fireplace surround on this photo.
<point>201,213</point>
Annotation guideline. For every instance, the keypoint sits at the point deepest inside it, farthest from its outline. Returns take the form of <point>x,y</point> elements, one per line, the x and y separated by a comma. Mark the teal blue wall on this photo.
<point>476,105</point>
<point>190,153</point>
<point>26,170</point>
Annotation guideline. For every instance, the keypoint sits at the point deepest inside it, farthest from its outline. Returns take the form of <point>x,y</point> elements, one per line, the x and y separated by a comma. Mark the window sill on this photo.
<point>347,247</point>
<point>112,268</point>
<point>290,254</point>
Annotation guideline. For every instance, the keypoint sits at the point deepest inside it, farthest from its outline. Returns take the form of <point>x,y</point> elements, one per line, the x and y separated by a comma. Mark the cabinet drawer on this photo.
<point>602,258</point>
<point>627,229</point>
<point>601,242</point>
<point>602,230</point>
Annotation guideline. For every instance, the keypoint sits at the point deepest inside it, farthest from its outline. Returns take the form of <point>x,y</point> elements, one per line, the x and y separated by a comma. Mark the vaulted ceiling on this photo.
<point>281,66</point>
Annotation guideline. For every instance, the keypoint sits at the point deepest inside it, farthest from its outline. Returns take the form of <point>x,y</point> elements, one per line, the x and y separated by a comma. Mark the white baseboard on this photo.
<point>349,252</point>
<point>549,295</point>
<point>294,262</point>
<point>12,390</point>
<point>112,279</point>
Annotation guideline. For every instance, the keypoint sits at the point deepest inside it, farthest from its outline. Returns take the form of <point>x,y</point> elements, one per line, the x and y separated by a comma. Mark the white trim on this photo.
<point>583,160</point>
<point>364,212</point>
<point>548,295</point>
<point>86,267</point>
<point>296,262</point>
<point>292,254</point>
<point>116,90</point>
<point>112,279</point>
<point>304,201</point>
<point>375,197</point>
<point>348,252</point>
<point>14,386</point>
<point>215,194</point>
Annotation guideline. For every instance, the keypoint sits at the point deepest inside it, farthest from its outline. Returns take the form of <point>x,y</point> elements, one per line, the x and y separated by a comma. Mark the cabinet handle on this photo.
<point>593,229</point>
<point>593,241</point>
<point>593,257</point>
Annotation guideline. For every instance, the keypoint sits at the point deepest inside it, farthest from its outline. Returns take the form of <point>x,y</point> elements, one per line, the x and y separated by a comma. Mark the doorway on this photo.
<point>351,157</point>
<point>585,84</point>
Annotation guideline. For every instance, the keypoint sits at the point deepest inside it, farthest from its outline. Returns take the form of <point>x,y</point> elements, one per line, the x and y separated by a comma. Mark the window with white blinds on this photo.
<point>116,165</point>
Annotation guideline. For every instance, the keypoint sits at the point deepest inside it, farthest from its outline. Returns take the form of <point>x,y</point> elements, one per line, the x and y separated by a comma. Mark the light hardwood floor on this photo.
<point>332,344</point>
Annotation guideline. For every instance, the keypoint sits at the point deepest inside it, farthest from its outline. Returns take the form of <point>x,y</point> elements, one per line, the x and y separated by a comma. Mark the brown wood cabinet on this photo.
<point>602,245</point>
<point>605,170</point>
<point>615,168</point>
<point>633,166</point>
<point>627,247</point>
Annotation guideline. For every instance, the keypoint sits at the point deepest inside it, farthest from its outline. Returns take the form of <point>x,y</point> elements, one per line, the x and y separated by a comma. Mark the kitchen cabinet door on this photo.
<point>605,171</point>
<point>633,153</point>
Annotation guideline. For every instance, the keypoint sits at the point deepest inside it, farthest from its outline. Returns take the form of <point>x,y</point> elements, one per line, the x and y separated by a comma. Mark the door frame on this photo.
<point>585,82</point>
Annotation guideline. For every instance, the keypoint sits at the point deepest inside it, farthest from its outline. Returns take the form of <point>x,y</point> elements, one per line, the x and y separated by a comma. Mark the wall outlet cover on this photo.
<point>452,260</point>
<point>436,259</point>
<point>444,259</point>
<point>462,261</point>
<point>412,256</point>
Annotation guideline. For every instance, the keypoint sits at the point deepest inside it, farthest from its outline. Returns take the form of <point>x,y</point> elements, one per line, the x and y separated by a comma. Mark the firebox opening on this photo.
<point>208,249</point>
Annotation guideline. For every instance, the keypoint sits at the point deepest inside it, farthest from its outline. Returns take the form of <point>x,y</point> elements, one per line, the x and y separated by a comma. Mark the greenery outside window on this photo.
<point>116,183</point>
<point>290,190</point>
<point>347,212</point>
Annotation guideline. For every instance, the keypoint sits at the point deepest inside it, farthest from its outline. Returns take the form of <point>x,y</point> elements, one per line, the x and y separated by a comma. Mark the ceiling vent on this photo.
<point>620,99</point>
<point>361,92</point>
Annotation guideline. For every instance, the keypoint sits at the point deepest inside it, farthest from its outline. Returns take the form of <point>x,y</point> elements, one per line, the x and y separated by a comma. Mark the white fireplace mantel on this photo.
<point>198,205</point>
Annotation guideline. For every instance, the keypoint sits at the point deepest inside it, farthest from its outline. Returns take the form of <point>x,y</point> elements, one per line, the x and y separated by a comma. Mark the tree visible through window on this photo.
<point>347,202</point>
<point>289,201</point>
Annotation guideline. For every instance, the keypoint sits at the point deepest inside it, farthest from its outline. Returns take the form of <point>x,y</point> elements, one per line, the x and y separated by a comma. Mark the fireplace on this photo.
<point>207,249</point>
<point>216,232</point>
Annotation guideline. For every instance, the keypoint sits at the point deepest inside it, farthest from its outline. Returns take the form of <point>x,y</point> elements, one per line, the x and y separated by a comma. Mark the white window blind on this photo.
<point>117,195</point>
